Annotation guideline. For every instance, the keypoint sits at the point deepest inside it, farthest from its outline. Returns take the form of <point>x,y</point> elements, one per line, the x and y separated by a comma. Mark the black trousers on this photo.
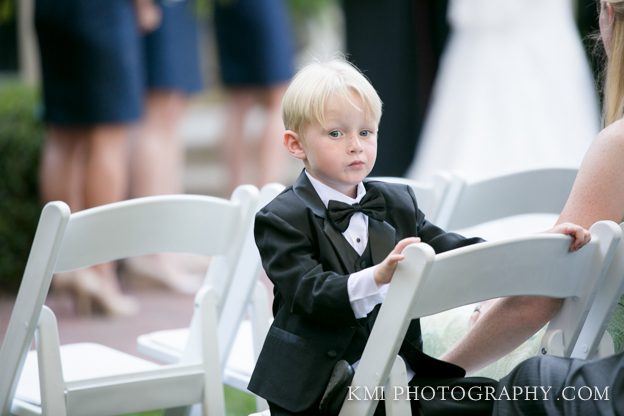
<point>575,387</point>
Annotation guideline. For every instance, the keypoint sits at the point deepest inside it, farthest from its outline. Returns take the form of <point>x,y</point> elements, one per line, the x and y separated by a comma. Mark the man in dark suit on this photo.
<point>569,387</point>
<point>331,242</point>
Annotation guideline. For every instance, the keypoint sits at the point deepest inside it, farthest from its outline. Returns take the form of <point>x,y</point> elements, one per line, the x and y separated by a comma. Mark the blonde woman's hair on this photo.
<point>305,99</point>
<point>613,105</point>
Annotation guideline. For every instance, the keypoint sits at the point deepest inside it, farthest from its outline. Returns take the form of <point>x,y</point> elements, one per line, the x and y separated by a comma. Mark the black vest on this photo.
<point>364,325</point>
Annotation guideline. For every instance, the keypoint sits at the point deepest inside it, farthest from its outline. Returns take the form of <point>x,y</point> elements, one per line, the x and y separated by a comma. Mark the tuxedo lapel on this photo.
<point>381,237</point>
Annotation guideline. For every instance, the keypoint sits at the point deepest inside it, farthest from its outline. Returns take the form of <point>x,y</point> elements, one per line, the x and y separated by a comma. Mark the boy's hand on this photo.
<point>385,270</point>
<point>580,236</point>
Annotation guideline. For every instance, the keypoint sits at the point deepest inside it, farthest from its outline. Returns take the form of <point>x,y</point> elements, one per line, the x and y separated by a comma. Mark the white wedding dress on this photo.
<point>514,91</point>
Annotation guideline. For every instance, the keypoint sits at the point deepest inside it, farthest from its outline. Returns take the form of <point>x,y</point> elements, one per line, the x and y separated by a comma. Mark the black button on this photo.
<point>358,239</point>
<point>363,263</point>
<point>332,354</point>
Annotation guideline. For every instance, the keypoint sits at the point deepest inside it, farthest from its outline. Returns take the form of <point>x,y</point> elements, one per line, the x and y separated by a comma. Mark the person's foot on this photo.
<point>92,293</point>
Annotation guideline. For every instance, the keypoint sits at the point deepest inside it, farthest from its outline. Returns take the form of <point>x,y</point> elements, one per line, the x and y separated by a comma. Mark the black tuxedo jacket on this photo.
<point>309,263</point>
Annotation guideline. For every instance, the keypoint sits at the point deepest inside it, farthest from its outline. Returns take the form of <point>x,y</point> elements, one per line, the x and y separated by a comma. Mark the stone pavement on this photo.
<point>160,309</point>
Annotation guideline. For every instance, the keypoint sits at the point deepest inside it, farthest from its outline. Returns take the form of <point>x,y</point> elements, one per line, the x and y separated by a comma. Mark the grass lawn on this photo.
<point>237,403</point>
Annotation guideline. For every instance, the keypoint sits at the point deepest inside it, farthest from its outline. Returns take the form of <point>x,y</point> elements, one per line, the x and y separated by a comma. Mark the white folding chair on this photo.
<point>496,208</point>
<point>429,196</point>
<point>425,283</point>
<point>508,205</point>
<point>240,340</point>
<point>91,379</point>
<point>594,341</point>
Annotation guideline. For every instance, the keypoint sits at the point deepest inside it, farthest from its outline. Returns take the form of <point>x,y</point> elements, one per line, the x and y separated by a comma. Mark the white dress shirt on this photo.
<point>364,293</point>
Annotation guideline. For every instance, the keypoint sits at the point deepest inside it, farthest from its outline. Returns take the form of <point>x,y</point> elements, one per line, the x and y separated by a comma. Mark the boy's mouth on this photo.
<point>356,164</point>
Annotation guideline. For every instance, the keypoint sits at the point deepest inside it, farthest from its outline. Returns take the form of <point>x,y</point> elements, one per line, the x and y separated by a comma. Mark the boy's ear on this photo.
<point>292,143</point>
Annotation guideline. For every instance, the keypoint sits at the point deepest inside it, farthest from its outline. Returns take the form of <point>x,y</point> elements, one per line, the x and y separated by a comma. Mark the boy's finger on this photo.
<point>405,242</point>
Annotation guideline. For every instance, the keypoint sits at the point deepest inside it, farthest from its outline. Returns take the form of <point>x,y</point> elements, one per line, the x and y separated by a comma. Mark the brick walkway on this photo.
<point>160,309</point>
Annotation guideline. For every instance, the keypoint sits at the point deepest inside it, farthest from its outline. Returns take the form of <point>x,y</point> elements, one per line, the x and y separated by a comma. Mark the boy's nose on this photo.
<point>355,144</point>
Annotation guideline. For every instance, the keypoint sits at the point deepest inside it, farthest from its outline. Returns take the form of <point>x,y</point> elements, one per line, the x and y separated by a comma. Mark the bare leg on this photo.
<point>87,167</point>
<point>106,170</point>
<point>157,161</point>
<point>62,166</point>
<point>157,156</point>
<point>271,152</point>
<point>239,103</point>
<point>106,174</point>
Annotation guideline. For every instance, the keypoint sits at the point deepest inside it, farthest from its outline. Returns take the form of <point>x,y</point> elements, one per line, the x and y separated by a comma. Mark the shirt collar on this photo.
<point>327,193</point>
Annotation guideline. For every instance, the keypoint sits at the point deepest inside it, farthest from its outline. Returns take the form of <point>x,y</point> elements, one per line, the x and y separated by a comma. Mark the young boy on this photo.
<point>330,243</point>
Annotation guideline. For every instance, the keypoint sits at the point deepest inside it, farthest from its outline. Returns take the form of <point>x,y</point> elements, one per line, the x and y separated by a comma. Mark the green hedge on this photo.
<point>21,135</point>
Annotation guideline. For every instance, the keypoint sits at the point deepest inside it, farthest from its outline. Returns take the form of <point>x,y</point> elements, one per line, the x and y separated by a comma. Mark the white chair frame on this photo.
<point>532,191</point>
<point>431,196</point>
<point>90,379</point>
<point>240,340</point>
<point>425,283</point>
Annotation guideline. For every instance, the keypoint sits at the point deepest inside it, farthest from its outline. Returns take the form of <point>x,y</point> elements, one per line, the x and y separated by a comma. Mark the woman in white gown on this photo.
<point>514,91</point>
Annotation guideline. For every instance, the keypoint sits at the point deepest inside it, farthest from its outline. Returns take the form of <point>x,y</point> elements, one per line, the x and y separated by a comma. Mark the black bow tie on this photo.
<point>372,204</point>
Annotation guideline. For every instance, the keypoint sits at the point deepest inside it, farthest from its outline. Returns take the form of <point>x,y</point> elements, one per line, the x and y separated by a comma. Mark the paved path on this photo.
<point>160,309</point>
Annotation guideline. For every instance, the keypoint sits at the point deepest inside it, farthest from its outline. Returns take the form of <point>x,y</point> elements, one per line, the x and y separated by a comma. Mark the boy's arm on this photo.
<point>290,259</point>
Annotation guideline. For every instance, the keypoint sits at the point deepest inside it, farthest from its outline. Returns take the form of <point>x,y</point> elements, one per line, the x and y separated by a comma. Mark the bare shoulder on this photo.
<point>598,192</point>
<point>612,137</point>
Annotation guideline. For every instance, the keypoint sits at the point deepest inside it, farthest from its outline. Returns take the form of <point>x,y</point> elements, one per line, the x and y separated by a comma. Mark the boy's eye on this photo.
<point>334,134</point>
<point>365,133</point>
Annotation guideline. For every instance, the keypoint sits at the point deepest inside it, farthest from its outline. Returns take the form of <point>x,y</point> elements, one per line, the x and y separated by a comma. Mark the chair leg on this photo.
<point>259,316</point>
<point>213,401</point>
<point>397,400</point>
<point>51,382</point>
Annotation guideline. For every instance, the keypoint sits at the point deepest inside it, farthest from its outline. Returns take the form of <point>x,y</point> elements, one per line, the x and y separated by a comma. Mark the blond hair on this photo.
<point>613,105</point>
<point>307,95</point>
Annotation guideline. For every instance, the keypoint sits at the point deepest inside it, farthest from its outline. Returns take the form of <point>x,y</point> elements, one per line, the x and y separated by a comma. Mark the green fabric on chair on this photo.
<point>616,326</point>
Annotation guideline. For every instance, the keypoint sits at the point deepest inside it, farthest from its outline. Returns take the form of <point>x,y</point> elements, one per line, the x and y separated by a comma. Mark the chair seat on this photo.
<point>79,364</point>
<point>515,226</point>
<point>168,345</point>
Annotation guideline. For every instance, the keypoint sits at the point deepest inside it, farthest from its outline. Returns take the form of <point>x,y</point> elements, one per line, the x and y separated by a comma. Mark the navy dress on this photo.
<point>255,42</point>
<point>90,61</point>
<point>171,55</point>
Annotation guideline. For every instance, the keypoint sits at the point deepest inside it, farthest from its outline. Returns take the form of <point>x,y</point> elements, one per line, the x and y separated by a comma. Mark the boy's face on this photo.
<point>343,151</point>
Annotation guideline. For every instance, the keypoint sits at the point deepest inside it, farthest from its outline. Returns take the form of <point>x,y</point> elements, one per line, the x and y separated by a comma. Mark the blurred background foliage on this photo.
<point>21,135</point>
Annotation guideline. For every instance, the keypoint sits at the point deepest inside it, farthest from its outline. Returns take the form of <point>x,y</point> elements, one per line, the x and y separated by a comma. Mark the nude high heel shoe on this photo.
<point>163,270</point>
<point>91,296</point>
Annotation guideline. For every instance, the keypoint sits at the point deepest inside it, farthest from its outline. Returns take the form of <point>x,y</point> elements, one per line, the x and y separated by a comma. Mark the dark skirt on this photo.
<point>90,61</point>
<point>255,42</point>
<point>171,51</point>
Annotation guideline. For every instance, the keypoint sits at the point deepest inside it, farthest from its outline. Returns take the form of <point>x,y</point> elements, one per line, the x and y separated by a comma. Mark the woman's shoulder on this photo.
<point>612,136</point>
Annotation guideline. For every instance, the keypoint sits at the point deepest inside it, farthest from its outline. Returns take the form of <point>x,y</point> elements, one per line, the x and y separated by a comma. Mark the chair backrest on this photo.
<point>171,223</point>
<point>237,298</point>
<point>30,298</point>
<point>528,192</point>
<point>425,284</point>
<point>429,195</point>
<point>607,297</point>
